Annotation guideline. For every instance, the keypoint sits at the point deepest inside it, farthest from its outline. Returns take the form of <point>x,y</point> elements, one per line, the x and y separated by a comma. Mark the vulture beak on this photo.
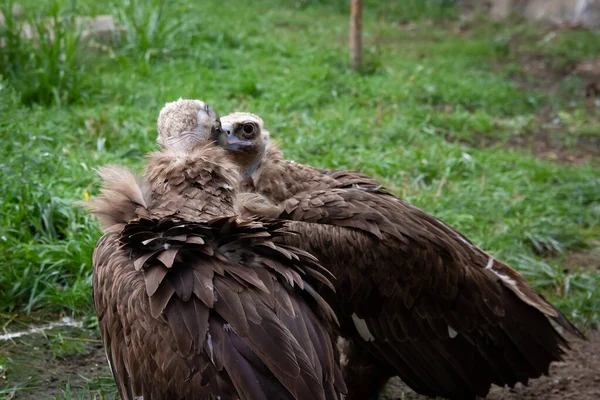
<point>232,141</point>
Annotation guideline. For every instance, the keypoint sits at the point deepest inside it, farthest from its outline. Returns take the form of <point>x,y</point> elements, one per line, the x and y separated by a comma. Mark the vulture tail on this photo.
<point>252,379</point>
<point>514,281</point>
<point>520,347</point>
<point>535,341</point>
<point>561,320</point>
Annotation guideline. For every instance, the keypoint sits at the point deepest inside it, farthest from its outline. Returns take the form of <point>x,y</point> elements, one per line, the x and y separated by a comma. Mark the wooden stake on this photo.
<point>356,7</point>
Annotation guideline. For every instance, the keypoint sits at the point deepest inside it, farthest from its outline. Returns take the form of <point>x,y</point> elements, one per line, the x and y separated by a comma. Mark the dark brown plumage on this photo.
<point>414,297</point>
<point>194,303</point>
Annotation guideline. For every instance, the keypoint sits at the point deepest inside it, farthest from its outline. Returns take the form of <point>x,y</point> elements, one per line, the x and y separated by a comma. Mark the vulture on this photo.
<point>194,302</point>
<point>414,297</point>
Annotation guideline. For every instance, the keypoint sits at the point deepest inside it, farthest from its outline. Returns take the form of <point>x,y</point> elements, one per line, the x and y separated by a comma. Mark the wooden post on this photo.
<point>356,33</point>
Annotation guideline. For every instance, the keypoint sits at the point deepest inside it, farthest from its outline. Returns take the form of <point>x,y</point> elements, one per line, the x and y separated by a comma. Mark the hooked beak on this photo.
<point>232,141</point>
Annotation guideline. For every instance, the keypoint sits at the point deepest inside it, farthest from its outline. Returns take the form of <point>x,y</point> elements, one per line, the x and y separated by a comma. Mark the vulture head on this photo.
<point>244,136</point>
<point>184,124</point>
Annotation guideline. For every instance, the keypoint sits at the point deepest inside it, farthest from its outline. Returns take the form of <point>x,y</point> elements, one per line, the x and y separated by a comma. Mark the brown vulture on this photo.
<point>415,298</point>
<point>194,303</point>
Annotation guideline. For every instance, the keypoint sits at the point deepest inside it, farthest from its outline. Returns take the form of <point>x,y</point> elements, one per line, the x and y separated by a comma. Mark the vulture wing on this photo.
<point>447,317</point>
<point>298,178</point>
<point>346,179</point>
<point>111,328</point>
<point>278,179</point>
<point>213,310</point>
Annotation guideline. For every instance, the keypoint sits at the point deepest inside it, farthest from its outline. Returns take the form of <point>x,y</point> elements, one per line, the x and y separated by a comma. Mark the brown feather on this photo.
<point>203,285</point>
<point>228,305</point>
<point>248,276</point>
<point>176,322</point>
<point>167,257</point>
<point>183,283</point>
<point>154,276</point>
<point>161,298</point>
<point>139,262</point>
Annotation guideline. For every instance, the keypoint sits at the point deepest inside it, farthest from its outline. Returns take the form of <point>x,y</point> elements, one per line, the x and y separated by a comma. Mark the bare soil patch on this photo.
<point>587,261</point>
<point>577,377</point>
<point>546,71</point>
<point>545,146</point>
<point>40,365</point>
<point>550,74</point>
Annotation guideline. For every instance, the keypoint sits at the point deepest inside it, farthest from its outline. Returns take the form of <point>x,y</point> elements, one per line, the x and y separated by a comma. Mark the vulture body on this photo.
<point>194,303</point>
<point>415,298</point>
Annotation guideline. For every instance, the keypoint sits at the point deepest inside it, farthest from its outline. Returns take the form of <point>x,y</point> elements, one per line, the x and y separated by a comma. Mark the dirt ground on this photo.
<point>49,364</point>
<point>576,378</point>
<point>543,72</point>
<point>543,145</point>
<point>38,366</point>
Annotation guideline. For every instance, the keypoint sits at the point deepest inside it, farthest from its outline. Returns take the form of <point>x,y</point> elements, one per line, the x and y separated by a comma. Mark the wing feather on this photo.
<point>429,284</point>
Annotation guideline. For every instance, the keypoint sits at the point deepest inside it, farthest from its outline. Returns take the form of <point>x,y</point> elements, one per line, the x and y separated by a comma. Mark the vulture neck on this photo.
<point>269,165</point>
<point>196,186</point>
<point>248,162</point>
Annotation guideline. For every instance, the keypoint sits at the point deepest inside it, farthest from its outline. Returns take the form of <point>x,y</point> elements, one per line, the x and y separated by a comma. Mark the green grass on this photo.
<point>46,67</point>
<point>61,363</point>
<point>429,116</point>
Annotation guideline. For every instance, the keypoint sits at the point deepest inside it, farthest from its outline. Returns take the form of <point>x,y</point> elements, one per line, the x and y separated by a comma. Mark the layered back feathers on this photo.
<point>197,186</point>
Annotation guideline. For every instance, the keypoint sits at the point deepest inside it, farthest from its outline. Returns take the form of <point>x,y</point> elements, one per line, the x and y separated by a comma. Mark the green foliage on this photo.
<point>46,65</point>
<point>97,389</point>
<point>577,291</point>
<point>570,46</point>
<point>61,347</point>
<point>404,10</point>
<point>414,10</point>
<point>147,28</point>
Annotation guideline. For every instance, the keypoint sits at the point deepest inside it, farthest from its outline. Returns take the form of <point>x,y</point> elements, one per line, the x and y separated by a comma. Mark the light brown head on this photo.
<point>184,124</point>
<point>245,138</point>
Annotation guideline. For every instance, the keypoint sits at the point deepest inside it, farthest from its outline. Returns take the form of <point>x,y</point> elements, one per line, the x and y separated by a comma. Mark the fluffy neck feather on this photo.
<point>271,159</point>
<point>272,175</point>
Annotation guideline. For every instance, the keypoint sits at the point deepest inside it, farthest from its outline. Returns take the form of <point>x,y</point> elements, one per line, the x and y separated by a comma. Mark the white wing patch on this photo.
<point>451,332</point>
<point>490,263</point>
<point>342,347</point>
<point>112,371</point>
<point>507,280</point>
<point>210,346</point>
<point>362,328</point>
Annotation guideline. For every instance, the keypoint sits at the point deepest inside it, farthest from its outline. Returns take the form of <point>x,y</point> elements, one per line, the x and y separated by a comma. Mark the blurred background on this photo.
<point>484,113</point>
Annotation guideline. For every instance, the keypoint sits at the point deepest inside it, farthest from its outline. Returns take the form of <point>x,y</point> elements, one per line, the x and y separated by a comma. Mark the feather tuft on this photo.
<point>123,197</point>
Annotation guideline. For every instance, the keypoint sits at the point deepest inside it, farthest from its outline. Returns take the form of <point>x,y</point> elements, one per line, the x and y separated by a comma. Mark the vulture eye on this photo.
<point>248,129</point>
